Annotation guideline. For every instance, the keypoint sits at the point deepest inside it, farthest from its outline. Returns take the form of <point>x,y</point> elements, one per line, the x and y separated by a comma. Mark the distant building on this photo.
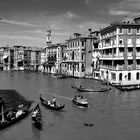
<point>42,59</point>
<point>8,58</point>
<point>19,57</point>
<point>51,54</point>
<point>60,57</point>
<point>35,58</point>
<point>120,46</point>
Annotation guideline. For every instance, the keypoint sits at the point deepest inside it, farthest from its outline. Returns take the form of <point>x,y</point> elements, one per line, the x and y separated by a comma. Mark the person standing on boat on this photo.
<point>1,104</point>
<point>2,108</point>
<point>54,101</point>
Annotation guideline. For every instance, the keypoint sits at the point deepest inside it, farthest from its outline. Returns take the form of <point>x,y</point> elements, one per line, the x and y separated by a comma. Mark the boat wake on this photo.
<point>53,94</point>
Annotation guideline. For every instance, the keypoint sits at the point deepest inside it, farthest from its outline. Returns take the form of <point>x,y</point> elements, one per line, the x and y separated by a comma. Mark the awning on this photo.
<point>5,56</point>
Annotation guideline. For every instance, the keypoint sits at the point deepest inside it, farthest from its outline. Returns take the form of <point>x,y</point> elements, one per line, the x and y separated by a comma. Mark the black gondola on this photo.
<point>88,124</point>
<point>10,117</point>
<point>50,105</point>
<point>36,117</point>
<point>80,101</point>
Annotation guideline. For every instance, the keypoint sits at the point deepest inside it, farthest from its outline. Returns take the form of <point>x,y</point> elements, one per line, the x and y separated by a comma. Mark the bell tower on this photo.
<point>49,37</point>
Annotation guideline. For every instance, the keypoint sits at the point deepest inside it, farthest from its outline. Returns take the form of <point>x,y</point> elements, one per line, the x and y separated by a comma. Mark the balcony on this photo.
<point>118,67</point>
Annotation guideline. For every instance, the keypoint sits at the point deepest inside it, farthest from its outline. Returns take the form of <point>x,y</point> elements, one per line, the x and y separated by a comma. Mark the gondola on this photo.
<point>59,76</point>
<point>128,87</point>
<point>81,89</point>
<point>88,124</point>
<point>80,101</point>
<point>14,115</point>
<point>36,117</point>
<point>48,104</point>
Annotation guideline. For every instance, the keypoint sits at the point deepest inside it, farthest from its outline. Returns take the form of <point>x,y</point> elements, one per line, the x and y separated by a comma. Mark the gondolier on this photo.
<point>1,104</point>
<point>54,101</point>
<point>2,109</point>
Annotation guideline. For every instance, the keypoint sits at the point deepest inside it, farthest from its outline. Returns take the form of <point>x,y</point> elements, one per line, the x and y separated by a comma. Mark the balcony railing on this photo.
<point>118,67</point>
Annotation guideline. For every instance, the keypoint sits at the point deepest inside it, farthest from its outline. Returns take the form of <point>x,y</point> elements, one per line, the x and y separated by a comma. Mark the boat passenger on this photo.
<point>10,114</point>
<point>80,96</point>
<point>49,102</point>
<point>19,112</point>
<point>54,101</point>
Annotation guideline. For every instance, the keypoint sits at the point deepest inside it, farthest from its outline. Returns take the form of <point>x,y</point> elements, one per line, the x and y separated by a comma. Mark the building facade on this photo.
<point>120,47</point>
<point>75,56</point>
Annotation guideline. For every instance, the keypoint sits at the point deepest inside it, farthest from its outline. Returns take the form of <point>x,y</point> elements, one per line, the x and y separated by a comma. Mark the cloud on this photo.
<point>118,12</point>
<point>125,7</point>
<point>87,1</point>
<point>91,24</point>
<point>20,37</point>
<point>70,15</point>
<point>14,22</point>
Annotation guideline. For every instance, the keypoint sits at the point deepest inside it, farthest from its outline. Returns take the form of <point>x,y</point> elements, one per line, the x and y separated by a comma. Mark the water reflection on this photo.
<point>36,133</point>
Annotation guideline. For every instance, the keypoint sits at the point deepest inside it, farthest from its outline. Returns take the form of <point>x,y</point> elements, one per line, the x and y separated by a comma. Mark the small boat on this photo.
<point>80,101</point>
<point>50,105</point>
<point>128,87</point>
<point>59,76</point>
<point>88,124</point>
<point>36,117</point>
<point>14,115</point>
<point>82,89</point>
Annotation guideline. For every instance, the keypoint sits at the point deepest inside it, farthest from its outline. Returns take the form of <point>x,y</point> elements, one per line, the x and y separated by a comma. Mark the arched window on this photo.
<point>137,75</point>
<point>129,76</point>
<point>120,77</point>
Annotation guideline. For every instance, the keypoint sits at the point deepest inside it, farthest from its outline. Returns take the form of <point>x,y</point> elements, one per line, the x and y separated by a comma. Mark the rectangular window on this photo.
<point>138,31</point>
<point>138,40</point>
<point>113,76</point>
<point>120,31</point>
<point>120,42</point>
<point>129,31</point>
<point>129,41</point>
<point>82,43</point>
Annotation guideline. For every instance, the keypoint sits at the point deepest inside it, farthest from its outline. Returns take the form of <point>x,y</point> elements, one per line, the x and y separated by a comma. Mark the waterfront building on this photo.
<point>1,58</point>
<point>92,52</point>
<point>120,46</point>
<point>61,50</point>
<point>51,58</point>
<point>96,54</point>
<point>51,54</point>
<point>27,58</point>
<point>42,60</point>
<point>76,59</point>
<point>19,57</point>
<point>8,58</point>
<point>35,58</point>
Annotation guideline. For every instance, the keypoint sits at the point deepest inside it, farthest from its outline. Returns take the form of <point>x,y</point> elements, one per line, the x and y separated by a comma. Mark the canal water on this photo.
<point>115,114</point>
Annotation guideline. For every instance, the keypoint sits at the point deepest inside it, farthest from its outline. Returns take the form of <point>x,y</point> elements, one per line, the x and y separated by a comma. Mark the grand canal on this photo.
<point>115,114</point>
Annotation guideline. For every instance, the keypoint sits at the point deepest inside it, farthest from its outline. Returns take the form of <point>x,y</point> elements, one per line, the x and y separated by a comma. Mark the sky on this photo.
<point>25,22</point>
